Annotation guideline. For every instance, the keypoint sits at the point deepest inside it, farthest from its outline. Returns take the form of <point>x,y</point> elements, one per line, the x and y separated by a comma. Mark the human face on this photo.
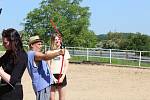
<point>6,43</point>
<point>57,41</point>
<point>37,46</point>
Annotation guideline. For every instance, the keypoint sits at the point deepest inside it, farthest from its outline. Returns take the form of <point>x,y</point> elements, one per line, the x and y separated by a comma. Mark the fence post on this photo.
<point>140,59</point>
<point>110,56</point>
<point>73,50</point>
<point>87,54</point>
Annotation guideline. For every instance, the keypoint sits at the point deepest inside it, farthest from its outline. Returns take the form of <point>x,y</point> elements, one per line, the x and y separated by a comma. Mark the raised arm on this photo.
<point>48,55</point>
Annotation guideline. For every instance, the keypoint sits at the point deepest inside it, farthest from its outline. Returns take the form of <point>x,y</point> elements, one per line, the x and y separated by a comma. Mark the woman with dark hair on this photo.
<point>12,66</point>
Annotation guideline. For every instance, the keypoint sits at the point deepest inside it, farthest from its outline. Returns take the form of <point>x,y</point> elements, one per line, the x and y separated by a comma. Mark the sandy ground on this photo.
<point>101,82</point>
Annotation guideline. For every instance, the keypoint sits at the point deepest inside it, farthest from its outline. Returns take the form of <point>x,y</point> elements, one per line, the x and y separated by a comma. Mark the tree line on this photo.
<point>124,41</point>
<point>72,20</point>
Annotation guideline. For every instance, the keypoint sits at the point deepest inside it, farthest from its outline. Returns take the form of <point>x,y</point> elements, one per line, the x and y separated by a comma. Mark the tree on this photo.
<point>138,42</point>
<point>125,41</point>
<point>70,18</point>
<point>113,40</point>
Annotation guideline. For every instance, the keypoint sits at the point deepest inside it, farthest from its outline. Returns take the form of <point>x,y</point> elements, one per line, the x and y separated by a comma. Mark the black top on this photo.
<point>14,66</point>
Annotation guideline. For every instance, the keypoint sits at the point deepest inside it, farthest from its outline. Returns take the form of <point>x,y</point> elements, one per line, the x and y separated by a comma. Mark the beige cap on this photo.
<point>34,39</point>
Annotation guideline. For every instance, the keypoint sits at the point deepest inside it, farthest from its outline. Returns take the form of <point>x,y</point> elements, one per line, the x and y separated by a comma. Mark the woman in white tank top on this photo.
<point>58,67</point>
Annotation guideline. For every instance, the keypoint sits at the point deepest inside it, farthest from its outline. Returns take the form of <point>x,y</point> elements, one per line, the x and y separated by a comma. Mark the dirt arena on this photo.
<point>101,82</point>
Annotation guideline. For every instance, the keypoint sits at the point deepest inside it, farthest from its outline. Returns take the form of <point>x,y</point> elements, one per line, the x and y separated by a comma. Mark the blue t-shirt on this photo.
<point>40,74</point>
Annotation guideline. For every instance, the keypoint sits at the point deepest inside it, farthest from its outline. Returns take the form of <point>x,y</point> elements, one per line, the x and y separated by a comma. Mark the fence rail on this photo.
<point>125,56</point>
<point>128,55</point>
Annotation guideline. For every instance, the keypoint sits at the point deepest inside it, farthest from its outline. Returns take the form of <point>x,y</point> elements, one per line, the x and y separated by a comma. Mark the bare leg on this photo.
<point>52,93</point>
<point>61,92</point>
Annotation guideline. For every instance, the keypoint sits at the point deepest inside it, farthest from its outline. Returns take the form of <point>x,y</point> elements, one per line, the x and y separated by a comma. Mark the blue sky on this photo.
<point>106,15</point>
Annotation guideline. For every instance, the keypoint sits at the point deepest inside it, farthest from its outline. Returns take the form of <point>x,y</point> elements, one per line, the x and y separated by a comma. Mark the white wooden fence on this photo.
<point>130,55</point>
<point>110,54</point>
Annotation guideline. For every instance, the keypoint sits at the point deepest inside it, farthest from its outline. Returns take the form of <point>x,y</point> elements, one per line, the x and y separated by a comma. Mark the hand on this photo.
<point>61,51</point>
<point>55,80</point>
<point>1,70</point>
<point>61,80</point>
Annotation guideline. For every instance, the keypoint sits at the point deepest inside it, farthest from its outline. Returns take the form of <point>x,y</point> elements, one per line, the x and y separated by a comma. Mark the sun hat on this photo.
<point>34,39</point>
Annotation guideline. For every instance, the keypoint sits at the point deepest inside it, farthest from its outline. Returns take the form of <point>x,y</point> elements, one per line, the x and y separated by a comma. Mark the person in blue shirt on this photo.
<point>38,68</point>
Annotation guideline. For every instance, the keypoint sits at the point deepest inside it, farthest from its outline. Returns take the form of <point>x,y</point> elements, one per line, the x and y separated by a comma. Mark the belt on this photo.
<point>4,84</point>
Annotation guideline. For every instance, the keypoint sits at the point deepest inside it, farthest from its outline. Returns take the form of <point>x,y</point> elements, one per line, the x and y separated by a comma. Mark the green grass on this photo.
<point>107,60</point>
<point>2,48</point>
